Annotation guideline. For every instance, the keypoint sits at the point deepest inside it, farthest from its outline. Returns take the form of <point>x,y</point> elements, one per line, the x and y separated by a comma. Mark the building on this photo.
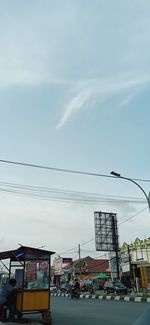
<point>135,263</point>
<point>85,269</point>
<point>59,274</point>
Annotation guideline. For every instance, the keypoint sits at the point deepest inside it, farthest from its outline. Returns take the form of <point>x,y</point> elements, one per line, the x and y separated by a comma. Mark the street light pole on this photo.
<point>131,180</point>
<point>148,201</point>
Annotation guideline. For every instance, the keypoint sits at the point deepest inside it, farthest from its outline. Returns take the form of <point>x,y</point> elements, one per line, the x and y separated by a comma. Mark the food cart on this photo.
<point>31,269</point>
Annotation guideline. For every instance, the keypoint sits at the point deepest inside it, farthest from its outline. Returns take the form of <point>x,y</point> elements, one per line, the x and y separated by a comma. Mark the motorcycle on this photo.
<point>91,290</point>
<point>75,293</point>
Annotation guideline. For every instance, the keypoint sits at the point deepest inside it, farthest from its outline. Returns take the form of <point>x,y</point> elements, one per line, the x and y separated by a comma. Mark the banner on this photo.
<point>58,266</point>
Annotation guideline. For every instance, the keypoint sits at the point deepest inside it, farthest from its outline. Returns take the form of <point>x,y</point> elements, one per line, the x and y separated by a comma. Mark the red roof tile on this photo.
<point>90,265</point>
<point>97,266</point>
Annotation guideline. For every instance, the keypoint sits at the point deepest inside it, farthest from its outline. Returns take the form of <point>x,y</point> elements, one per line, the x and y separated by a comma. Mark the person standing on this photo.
<point>8,298</point>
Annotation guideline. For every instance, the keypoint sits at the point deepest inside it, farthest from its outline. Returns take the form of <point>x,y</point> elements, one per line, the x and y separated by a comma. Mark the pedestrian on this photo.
<point>76,286</point>
<point>8,298</point>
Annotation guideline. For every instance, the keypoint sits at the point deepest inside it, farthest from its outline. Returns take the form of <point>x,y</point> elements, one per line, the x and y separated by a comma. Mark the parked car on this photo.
<point>115,287</point>
<point>53,288</point>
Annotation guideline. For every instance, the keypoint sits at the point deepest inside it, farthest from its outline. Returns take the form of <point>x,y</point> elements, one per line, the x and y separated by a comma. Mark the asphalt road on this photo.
<point>94,312</point>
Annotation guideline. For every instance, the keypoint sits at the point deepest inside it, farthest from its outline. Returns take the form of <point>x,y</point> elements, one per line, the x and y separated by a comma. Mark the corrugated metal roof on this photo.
<point>19,253</point>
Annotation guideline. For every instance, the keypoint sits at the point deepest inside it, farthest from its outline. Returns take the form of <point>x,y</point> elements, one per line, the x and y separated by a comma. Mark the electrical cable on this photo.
<point>19,163</point>
<point>50,189</point>
<point>126,220</point>
<point>63,196</point>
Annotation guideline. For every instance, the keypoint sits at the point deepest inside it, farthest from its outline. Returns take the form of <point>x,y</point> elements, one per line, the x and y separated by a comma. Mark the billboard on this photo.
<point>58,266</point>
<point>106,231</point>
<point>60,263</point>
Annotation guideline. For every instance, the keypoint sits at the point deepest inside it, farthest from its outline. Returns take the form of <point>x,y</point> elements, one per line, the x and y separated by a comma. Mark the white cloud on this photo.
<point>102,89</point>
<point>75,105</point>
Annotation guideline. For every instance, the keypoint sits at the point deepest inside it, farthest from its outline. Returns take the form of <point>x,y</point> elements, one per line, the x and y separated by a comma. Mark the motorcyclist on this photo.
<point>76,286</point>
<point>91,289</point>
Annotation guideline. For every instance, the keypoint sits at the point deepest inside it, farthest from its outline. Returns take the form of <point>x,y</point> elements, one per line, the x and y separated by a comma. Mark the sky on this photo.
<point>74,94</point>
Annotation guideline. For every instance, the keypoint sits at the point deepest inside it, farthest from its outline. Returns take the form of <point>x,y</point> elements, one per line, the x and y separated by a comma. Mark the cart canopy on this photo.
<point>26,253</point>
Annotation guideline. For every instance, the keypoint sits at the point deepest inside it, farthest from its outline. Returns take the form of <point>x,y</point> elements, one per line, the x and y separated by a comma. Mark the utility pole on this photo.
<point>130,267</point>
<point>116,245</point>
<point>79,251</point>
<point>117,262</point>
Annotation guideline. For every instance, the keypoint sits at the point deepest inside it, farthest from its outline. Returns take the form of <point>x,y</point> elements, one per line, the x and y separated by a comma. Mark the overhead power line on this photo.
<point>19,163</point>
<point>54,194</point>
<point>50,189</point>
<point>126,220</point>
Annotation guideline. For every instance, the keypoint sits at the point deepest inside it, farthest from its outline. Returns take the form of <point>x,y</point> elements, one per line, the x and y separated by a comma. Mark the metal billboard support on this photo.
<point>106,234</point>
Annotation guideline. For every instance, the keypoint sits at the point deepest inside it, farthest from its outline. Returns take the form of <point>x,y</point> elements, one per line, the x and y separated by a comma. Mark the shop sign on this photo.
<point>67,260</point>
<point>125,258</point>
<point>58,266</point>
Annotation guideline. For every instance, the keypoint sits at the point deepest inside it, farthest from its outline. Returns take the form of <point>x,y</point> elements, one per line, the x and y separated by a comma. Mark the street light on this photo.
<point>147,199</point>
<point>131,180</point>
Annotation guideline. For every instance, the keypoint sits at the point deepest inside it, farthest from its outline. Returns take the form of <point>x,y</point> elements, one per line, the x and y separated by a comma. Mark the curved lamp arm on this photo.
<point>131,180</point>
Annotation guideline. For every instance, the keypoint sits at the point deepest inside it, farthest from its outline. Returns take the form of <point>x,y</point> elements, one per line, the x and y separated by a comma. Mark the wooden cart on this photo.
<point>31,269</point>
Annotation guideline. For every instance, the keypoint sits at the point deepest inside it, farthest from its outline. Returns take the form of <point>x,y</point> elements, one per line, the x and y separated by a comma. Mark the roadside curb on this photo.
<point>106,297</point>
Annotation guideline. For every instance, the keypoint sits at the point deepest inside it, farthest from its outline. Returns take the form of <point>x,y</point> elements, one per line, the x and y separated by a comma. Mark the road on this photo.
<point>94,312</point>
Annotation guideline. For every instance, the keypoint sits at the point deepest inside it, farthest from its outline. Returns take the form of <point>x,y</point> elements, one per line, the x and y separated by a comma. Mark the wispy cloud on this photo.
<point>102,89</point>
<point>127,100</point>
<point>77,103</point>
<point>28,76</point>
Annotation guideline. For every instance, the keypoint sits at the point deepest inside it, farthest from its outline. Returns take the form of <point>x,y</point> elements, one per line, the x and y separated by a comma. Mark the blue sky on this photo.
<point>74,93</point>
